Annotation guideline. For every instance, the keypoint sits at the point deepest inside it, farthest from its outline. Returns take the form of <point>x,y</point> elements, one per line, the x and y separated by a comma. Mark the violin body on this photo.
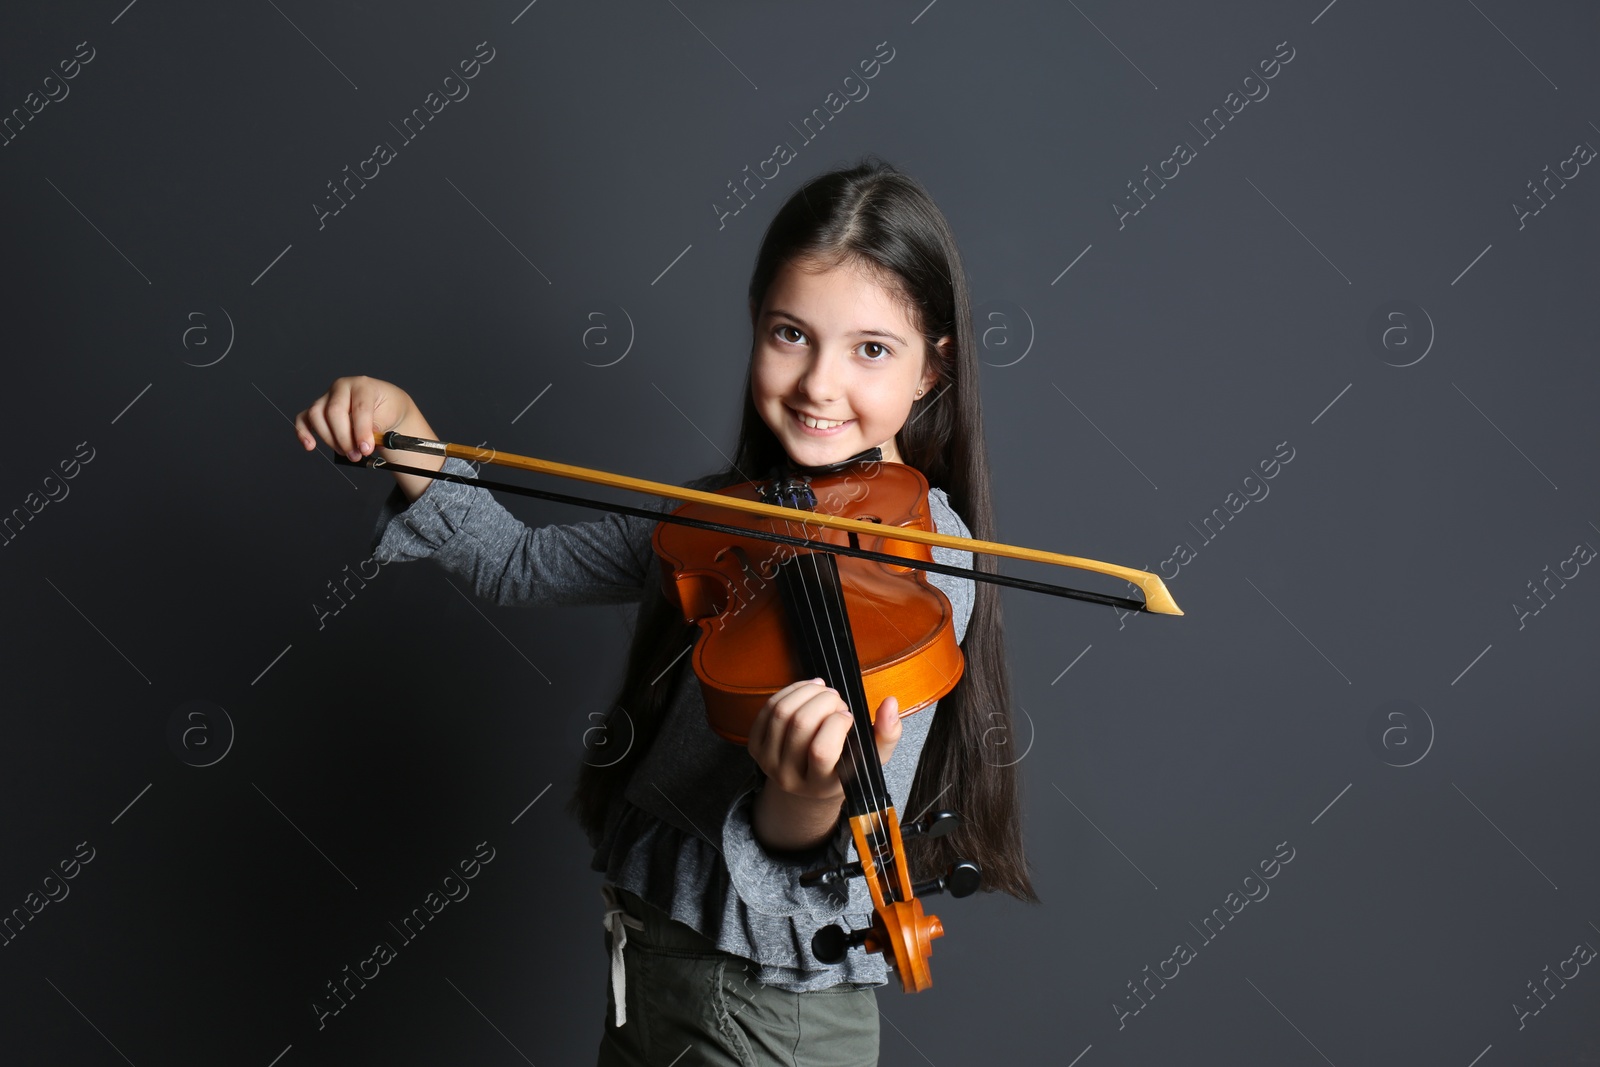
<point>901,625</point>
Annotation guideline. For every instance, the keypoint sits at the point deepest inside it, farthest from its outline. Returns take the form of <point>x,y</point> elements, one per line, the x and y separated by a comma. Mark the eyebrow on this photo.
<point>780,313</point>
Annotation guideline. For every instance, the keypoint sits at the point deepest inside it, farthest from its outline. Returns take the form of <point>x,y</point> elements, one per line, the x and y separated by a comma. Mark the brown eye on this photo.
<point>882,352</point>
<point>780,332</point>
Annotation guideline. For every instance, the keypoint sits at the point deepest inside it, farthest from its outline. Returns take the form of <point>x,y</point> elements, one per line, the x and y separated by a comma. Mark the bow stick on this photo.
<point>1157,600</point>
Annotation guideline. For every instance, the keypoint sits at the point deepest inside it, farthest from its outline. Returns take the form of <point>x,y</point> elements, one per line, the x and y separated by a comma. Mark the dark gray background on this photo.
<point>1362,616</point>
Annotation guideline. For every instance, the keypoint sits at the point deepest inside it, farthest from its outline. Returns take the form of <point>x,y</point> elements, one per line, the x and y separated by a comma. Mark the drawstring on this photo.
<point>617,920</point>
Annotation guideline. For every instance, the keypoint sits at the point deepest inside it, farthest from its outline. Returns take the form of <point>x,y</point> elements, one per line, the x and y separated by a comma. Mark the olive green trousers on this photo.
<point>690,1004</point>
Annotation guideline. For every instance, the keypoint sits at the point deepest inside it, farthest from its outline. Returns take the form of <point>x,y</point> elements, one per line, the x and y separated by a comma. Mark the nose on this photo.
<point>822,381</point>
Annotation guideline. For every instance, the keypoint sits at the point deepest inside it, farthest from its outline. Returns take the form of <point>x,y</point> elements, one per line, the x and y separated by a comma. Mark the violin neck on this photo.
<point>826,649</point>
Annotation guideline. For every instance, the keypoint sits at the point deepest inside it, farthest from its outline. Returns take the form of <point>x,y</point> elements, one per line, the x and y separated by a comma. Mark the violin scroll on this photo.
<point>900,929</point>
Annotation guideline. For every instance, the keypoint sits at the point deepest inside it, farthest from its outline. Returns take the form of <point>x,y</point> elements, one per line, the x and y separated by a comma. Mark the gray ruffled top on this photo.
<point>679,836</point>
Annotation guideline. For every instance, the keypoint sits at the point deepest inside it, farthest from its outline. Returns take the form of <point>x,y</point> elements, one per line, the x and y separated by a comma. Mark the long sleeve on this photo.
<point>469,533</point>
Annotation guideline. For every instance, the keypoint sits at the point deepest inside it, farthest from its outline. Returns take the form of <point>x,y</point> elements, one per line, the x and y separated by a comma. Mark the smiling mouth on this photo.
<point>819,425</point>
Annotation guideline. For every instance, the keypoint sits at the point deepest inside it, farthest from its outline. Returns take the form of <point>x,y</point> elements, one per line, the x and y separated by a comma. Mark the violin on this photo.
<point>847,600</point>
<point>867,629</point>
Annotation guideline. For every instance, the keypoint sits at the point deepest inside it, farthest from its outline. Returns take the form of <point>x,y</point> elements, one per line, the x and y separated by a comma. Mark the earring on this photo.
<point>919,393</point>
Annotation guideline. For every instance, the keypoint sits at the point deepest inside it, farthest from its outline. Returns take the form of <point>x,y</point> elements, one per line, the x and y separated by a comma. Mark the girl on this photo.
<point>862,340</point>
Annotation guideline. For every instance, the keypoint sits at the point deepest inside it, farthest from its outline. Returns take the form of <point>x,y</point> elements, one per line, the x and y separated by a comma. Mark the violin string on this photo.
<point>836,667</point>
<point>859,754</point>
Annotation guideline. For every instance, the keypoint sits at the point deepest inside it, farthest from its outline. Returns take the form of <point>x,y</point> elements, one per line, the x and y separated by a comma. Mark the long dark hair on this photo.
<point>874,216</point>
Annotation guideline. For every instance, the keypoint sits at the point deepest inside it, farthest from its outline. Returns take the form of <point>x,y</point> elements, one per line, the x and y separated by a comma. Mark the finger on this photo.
<point>770,731</point>
<point>815,709</point>
<point>768,744</point>
<point>791,698</point>
<point>338,416</point>
<point>795,687</point>
<point>302,431</point>
<point>824,748</point>
<point>771,728</point>
<point>361,420</point>
<point>758,728</point>
<point>886,728</point>
<point>316,417</point>
<point>795,761</point>
<point>821,706</point>
<point>760,743</point>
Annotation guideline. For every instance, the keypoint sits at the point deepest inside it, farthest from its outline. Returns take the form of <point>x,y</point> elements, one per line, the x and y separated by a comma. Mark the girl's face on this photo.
<point>836,347</point>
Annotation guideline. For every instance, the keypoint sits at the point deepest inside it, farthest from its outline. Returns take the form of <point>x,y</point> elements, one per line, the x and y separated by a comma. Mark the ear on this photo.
<point>930,374</point>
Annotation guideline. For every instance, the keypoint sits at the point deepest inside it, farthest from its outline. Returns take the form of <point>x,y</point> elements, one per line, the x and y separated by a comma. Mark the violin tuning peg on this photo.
<point>936,825</point>
<point>961,880</point>
<point>830,875</point>
<point>830,944</point>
